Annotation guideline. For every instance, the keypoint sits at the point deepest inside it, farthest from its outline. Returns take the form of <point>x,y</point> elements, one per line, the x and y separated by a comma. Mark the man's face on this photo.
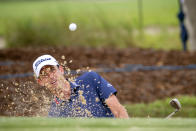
<point>53,78</point>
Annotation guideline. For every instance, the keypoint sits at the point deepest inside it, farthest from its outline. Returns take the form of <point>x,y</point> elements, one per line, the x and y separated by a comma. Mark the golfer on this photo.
<point>89,95</point>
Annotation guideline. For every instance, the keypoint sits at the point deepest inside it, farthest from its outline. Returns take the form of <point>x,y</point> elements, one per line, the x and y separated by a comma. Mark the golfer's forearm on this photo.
<point>117,109</point>
<point>121,113</point>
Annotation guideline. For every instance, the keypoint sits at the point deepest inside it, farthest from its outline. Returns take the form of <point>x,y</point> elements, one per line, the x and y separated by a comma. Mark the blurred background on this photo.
<point>145,48</point>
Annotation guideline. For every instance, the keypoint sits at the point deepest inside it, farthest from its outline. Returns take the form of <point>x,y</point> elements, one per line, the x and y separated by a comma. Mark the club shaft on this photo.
<point>170,115</point>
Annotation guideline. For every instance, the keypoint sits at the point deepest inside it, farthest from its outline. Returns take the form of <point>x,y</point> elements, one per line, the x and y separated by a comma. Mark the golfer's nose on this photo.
<point>51,75</point>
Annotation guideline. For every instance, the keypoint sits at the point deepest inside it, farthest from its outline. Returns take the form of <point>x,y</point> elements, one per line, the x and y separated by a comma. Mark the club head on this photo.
<point>175,104</point>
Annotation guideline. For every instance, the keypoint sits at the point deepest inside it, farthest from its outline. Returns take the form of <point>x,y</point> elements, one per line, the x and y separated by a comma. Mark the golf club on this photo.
<point>175,104</point>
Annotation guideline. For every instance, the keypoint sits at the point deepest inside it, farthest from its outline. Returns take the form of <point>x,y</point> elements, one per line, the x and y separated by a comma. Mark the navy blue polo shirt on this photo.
<point>88,95</point>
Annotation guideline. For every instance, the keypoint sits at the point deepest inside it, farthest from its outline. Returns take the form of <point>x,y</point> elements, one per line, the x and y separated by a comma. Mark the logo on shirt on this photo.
<point>109,85</point>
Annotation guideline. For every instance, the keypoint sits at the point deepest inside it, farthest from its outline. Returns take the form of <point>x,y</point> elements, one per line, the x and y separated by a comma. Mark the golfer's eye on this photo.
<point>50,69</point>
<point>43,75</point>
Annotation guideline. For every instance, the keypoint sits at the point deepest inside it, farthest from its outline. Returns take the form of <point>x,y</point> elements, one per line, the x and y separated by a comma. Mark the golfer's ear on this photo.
<point>61,69</point>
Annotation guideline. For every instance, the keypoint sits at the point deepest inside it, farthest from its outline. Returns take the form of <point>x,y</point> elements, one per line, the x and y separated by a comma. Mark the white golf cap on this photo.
<point>43,61</point>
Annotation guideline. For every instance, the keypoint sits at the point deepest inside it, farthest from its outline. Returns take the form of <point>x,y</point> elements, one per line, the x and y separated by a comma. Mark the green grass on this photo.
<point>161,108</point>
<point>155,12</point>
<point>100,23</point>
<point>48,124</point>
<point>164,39</point>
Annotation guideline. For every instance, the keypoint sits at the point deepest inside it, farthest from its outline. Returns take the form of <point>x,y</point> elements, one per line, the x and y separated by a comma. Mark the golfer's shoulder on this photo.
<point>89,75</point>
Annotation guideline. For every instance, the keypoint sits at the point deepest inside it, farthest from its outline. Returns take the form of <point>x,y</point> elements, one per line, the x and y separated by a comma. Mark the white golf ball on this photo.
<point>72,27</point>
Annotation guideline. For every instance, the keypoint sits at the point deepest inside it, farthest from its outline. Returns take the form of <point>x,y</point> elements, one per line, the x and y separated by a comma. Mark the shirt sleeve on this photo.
<point>104,88</point>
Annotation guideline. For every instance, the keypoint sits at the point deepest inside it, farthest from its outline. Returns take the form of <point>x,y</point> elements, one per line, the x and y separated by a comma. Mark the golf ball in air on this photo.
<point>72,27</point>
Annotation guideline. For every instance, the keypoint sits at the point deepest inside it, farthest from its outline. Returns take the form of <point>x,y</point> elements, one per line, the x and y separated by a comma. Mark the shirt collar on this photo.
<point>73,86</point>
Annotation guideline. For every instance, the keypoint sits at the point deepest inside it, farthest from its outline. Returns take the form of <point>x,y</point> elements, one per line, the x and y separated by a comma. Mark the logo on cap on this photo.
<point>40,61</point>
